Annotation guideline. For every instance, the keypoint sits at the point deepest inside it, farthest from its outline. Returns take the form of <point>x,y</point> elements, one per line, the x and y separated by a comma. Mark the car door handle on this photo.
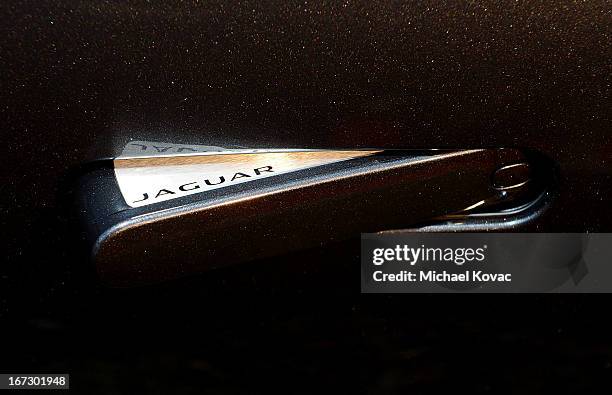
<point>158,216</point>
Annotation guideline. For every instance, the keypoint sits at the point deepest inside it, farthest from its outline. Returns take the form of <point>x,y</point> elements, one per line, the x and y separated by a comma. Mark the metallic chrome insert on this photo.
<point>145,180</point>
<point>146,149</point>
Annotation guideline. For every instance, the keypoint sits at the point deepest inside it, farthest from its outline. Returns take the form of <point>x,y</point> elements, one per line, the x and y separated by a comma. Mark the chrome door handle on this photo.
<point>151,218</point>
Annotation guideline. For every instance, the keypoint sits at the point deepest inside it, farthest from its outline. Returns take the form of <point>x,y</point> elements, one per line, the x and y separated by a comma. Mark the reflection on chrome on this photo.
<point>151,172</point>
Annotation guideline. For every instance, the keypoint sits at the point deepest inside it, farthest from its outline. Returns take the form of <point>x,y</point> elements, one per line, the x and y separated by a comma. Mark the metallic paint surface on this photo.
<point>80,79</point>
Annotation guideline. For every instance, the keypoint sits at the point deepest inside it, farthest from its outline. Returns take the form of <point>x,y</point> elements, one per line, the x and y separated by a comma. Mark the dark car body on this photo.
<point>81,79</point>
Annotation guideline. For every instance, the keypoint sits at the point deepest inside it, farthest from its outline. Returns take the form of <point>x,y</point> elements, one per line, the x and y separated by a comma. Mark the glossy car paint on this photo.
<point>79,80</point>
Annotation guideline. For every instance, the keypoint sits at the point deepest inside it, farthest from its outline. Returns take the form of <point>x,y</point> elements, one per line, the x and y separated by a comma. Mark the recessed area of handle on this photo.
<point>511,176</point>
